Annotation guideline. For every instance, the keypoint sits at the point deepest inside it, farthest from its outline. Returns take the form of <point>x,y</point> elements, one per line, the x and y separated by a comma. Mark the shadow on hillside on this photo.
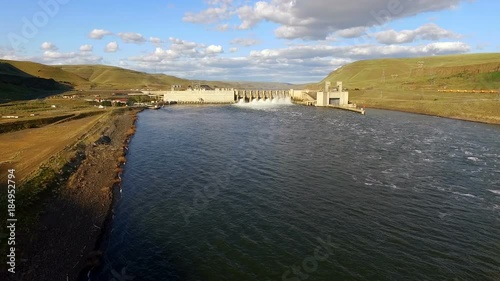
<point>16,84</point>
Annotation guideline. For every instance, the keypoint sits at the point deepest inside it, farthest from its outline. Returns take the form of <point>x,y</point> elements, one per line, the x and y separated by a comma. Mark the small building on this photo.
<point>337,97</point>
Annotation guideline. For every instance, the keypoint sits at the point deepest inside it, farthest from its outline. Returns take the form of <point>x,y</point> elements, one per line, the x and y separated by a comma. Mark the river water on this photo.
<point>285,192</point>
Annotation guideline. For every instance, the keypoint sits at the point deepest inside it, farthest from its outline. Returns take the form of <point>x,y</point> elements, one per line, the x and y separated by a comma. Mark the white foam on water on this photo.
<point>393,186</point>
<point>440,188</point>
<point>265,103</point>
<point>494,191</point>
<point>442,215</point>
<point>466,195</point>
<point>475,159</point>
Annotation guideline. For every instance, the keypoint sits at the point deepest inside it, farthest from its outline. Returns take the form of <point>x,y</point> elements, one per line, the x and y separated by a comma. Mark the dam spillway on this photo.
<point>250,95</point>
<point>223,95</point>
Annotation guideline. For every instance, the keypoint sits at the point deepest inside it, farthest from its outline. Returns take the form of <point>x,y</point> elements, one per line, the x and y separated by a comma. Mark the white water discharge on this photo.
<point>265,103</point>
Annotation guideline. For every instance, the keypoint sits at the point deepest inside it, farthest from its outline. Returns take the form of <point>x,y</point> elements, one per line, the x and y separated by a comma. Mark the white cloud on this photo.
<point>444,48</point>
<point>368,51</point>
<point>111,47</point>
<point>222,27</point>
<point>10,54</point>
<point>156,41</point>
<point>246,42</point>
<point>55,57</point>
<point>179,50</point>
<point>184,48</point>
<point>198,61</point>
<point>352,32</point>
<point>214,49</point>
<point>132,37</point>
<point>316,19</point>
<point>86,48</point>
<point>99,33</point>
<point>51,55</point>
<point>48,46</point>
<point>429,31</point>
<point>218,10</point>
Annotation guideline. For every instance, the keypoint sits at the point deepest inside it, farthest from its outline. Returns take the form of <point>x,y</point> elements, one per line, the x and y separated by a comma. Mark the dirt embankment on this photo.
<point>73,219</point>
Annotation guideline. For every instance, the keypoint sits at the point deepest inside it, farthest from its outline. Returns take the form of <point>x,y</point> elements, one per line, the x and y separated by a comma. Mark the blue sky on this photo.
<point>293,41</point>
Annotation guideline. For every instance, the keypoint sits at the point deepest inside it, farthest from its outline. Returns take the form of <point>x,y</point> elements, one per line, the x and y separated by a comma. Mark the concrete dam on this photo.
<point>223,95</point>
<point>336,97</point>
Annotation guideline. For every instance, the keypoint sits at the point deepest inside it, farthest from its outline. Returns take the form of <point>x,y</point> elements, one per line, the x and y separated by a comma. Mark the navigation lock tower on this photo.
<point>338,97</point>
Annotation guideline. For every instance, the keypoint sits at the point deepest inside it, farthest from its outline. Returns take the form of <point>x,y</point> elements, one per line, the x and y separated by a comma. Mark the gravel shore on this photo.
<point>64,240</point>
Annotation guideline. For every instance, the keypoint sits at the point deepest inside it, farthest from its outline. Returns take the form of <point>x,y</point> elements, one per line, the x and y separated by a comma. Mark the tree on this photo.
<point>106,103</point>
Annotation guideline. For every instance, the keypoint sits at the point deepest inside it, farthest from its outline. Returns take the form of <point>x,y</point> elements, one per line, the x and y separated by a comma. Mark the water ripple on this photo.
<point>232,193</point>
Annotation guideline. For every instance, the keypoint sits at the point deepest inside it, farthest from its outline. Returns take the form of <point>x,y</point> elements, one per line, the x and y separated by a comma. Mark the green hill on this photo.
<point>19,81</point>
<point>92,76</point>
<point>471,71</point>
<point>45,71</point>
<point>428,85</point>
<point>110,77</point>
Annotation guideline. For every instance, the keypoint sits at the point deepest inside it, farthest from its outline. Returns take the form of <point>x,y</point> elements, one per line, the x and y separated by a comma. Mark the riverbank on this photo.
<point>484,108</point>
<point>469,118</point>
<point>66,224</point>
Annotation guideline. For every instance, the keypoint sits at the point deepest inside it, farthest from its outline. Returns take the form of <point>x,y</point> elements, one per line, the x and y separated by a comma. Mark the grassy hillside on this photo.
<point>19,81</point>
<point>254,85</point>
<point>109,77</point>
<point>45,71</point>
<point>471,71</point>
<point>86,76</point>
<point>417,84</point>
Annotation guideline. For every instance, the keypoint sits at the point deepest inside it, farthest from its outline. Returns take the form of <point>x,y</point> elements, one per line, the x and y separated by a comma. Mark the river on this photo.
<point>286,192</point>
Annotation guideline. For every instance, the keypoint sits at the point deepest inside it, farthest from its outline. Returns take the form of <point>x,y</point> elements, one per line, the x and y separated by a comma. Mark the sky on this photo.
<point>294,41</point>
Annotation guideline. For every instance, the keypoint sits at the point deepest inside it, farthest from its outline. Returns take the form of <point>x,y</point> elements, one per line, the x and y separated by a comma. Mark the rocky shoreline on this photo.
<point>64,241</point>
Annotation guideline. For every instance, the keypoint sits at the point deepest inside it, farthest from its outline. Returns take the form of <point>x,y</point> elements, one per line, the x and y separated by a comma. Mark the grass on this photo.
<point>109,77</point>
<point>25,150</point>
<point>41,71</point>
<point>473,107</point>
<point>474,71</point>
<point>412,84</point>
<point>43,112</point>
